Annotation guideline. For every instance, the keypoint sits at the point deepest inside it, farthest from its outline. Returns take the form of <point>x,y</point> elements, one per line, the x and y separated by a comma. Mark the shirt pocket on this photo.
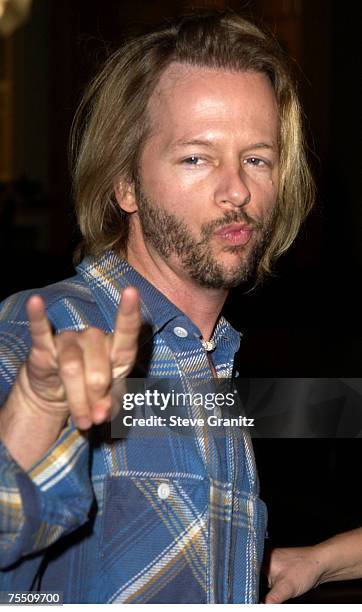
<point>153,539</point>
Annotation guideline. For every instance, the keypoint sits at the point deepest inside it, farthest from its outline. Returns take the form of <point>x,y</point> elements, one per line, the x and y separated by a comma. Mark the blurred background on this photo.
<point>305,321</point>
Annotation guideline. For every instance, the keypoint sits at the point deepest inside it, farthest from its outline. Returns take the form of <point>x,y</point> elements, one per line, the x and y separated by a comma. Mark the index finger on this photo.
<point>40,328</point>
<point>126,329</point>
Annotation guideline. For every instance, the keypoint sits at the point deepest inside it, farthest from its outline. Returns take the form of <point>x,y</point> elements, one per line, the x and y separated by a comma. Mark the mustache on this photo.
<point>230,217</point>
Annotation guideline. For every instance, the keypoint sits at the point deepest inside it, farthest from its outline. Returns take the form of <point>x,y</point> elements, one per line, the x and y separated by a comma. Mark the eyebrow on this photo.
<point>207,143</point>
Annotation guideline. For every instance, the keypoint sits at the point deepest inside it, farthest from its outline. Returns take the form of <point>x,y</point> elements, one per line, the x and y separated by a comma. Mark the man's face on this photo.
<point>208,174</point>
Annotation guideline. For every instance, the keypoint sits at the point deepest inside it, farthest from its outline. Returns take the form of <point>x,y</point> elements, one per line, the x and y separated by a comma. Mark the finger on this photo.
<point>102,410</point>
<point>98,371</point>
<point>126,329</point>
<point>40,328</point>
<point>71,370</point>
<point>281,591</point>
<point>117,392</point>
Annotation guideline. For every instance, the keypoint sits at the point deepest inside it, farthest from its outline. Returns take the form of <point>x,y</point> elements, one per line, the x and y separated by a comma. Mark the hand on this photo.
<point>292,572</point>
<point>72,372</point>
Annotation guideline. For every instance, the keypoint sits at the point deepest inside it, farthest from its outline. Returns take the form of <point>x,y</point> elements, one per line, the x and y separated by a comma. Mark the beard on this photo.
<point>169,235</point>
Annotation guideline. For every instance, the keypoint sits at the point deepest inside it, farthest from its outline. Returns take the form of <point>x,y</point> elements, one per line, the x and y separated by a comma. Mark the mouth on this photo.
<point>237,234</point>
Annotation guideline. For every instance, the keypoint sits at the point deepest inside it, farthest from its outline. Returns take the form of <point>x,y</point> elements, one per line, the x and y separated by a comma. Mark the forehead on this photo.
<point>189,98</point>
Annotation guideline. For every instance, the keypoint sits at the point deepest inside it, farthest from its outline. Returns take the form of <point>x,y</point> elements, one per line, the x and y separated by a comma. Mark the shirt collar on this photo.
<point>108,274</point>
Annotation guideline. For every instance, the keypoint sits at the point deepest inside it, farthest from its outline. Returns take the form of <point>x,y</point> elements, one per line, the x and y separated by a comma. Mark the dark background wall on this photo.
<point>304,322</point>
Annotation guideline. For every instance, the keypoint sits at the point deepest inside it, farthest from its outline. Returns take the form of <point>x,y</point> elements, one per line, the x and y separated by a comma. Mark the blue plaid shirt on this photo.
<point>172,519</point>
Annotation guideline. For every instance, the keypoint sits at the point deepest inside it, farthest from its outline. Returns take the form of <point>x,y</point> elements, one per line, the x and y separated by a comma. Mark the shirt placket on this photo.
<point>217,451</point>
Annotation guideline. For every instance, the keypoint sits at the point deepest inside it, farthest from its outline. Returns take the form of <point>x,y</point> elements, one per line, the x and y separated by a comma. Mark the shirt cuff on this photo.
<point>48,501</point>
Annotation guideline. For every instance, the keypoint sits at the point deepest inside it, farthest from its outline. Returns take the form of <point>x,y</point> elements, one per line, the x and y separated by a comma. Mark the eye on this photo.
<point>255,161</point>
<point>193,160</point>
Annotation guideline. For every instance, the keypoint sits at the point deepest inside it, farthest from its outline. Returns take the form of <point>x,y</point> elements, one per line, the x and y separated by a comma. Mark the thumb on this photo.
<point>280,592</point>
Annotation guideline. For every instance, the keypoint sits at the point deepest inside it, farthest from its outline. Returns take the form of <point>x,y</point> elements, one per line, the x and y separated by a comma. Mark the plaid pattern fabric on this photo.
<point>88,519</point>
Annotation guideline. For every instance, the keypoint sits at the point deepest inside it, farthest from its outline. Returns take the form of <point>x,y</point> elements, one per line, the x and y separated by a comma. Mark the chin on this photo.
<point>225,269</point>
<point>218,278</point>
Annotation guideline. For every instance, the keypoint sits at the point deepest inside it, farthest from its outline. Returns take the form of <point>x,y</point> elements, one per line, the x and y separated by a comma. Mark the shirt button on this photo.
<point>180,332</point>
<point>163,490</point>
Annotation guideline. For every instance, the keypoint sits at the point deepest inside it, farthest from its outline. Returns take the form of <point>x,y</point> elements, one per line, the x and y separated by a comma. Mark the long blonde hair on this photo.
<point>111,125</point>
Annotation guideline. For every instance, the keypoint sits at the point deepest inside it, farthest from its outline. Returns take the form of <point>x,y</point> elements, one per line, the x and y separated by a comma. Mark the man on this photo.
<point>190,178</point>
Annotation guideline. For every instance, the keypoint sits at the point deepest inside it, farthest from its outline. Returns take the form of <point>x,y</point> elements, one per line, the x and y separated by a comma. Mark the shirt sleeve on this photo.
<point>48,501</point>
<point>55,495</point>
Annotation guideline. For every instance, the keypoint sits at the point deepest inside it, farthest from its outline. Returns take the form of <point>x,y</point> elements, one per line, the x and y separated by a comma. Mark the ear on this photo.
<point>125,196</point>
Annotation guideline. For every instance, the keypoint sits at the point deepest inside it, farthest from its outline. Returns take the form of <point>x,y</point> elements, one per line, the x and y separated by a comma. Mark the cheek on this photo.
<point>267,194</point>
<point>158,183</point>
<point>172,191</point>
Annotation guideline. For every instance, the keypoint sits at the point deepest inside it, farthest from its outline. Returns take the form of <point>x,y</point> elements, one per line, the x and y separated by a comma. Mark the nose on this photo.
<point>232,190</point>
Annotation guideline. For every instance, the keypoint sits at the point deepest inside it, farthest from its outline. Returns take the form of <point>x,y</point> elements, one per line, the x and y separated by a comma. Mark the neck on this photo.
<point>201,304</point>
